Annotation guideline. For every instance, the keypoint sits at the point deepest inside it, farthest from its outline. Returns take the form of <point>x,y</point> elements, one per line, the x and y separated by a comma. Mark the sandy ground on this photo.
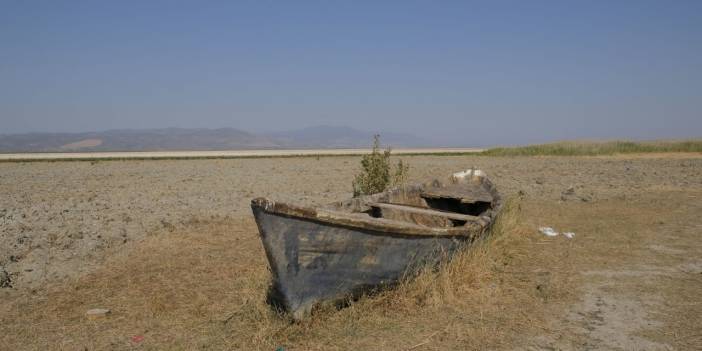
<point>217,154</point>
<point>630,279</point>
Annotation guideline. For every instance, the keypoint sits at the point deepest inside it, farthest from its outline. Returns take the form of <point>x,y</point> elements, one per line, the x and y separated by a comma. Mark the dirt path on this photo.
<point>640,272</point>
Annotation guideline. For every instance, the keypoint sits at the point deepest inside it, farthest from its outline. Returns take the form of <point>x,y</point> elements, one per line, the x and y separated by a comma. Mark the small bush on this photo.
<point>376,175</point>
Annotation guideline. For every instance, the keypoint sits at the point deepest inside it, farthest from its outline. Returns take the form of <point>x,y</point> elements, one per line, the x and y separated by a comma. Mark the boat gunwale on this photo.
<point>382,226</point>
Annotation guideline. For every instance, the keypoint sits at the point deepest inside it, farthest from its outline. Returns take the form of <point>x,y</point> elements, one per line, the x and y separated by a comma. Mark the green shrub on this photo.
<point>375,175</point>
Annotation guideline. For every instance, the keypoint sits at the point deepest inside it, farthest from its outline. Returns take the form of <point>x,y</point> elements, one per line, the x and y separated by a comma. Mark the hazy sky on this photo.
<point>472,73</point>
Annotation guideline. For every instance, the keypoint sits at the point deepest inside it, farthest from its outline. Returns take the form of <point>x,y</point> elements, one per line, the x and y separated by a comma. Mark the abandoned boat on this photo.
<point>340,250</point>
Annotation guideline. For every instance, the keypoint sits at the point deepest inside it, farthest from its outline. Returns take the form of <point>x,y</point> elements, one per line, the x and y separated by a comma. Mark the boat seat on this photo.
<point>423,211</point>
<point>384,224</point>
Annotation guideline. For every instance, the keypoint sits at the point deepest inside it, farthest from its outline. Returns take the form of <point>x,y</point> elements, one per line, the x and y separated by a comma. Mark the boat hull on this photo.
<point>313,261</point>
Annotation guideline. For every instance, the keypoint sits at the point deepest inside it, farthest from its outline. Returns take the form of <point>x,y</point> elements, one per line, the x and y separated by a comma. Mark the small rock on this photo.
<point>97,313</point>
<point>5,281</point>
<point>167,225</point>
<point>569,194</point>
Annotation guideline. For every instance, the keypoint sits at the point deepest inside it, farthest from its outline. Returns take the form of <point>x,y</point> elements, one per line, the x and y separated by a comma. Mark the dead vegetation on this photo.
<point>632,272</point>
<point>205,286</point>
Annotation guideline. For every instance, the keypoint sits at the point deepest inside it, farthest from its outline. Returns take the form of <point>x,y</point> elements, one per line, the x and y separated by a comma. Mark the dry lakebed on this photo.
<point>171,249</point>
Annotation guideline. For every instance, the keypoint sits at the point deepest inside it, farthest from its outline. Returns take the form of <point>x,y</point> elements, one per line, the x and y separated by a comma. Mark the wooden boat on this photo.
<point>346,248</point>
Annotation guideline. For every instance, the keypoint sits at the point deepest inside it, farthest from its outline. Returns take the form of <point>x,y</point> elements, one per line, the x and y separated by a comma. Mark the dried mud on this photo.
<point>61,220</point>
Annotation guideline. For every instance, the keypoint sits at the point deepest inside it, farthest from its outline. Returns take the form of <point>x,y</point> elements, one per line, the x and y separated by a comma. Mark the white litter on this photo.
<point>468,173</point>
<point>97,313</point>
<point>548,231</point>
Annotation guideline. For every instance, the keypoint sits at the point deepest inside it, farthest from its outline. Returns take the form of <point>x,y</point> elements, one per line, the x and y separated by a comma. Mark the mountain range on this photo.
<point>171,139</point>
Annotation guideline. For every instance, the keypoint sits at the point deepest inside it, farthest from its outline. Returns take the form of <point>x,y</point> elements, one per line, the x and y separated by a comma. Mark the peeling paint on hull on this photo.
<point>313,262</point>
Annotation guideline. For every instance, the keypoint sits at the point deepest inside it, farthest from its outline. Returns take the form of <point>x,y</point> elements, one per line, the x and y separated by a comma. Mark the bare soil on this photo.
<point>170,247</point>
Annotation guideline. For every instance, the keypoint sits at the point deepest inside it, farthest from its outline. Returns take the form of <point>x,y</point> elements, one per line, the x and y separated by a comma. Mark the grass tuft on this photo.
<point>468,272</point>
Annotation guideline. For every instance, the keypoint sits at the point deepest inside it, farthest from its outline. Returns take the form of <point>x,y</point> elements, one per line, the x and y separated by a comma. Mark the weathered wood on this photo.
<point>423,219</point>
<point>424,211</point>
<point>358,220</point>
<point>346,248</point>
<point>312,263</point>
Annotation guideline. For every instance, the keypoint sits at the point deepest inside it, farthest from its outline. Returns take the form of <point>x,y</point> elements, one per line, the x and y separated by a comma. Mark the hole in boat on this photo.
<point>455,205</point>
<point>375,212</point>
<point>458,222</point>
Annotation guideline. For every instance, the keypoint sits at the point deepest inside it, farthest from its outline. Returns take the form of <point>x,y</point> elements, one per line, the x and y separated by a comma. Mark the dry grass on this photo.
<point>590,148</point>
<point>462,300</point>
<point>466,274</point>
<point>203,284</point>
<point>204,288</point>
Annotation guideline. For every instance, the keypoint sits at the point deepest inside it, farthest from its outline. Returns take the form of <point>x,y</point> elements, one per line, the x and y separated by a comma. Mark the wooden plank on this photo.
<point>425,211</point>
<point>424,219</point>
<point>362,220</point>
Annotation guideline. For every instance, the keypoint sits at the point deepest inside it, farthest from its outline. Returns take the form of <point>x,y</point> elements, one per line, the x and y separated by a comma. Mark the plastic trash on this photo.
<point>468,173</point>
<point>97,313</point>
<point>548,231</point>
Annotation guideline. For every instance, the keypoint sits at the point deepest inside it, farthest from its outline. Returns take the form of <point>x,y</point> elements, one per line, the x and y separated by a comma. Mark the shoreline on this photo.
<point>161,155</point>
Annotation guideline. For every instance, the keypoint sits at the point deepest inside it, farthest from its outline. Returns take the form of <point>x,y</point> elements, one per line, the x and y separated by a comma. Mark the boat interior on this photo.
<point>434,204</point>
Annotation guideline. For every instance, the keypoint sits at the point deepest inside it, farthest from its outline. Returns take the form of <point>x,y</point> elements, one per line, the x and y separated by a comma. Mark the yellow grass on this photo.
<point>592,148</point>
<point>206,287</point>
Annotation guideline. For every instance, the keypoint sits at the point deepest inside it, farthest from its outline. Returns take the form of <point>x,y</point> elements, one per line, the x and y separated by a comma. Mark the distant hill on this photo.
<point>198,139</point>
<point>135,140</point>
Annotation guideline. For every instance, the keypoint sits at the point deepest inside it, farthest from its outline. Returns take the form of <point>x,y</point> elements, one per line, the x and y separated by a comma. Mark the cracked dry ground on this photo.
<point>171,248</point>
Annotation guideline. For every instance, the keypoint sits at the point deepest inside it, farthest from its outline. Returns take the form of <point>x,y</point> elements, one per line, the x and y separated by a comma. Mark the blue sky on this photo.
<point>468,73</point>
